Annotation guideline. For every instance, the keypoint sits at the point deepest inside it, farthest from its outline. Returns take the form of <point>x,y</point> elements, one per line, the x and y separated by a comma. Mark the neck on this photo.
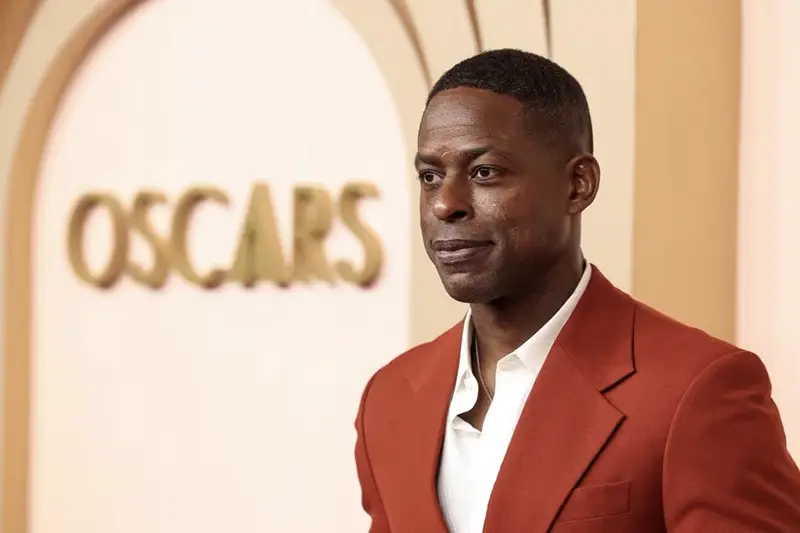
<point>503,325</point>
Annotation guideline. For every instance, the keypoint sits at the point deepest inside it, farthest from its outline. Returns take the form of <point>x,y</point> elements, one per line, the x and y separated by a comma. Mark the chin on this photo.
<point>469,289</point>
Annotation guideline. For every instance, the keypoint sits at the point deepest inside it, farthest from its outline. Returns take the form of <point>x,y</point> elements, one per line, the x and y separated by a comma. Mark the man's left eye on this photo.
<point>485,172</point>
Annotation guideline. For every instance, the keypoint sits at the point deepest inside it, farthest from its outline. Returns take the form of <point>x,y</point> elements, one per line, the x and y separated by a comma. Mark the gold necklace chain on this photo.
<point>478,364</point>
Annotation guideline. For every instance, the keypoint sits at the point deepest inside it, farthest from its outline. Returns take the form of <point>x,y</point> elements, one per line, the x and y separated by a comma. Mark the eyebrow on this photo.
<point>469,154</point>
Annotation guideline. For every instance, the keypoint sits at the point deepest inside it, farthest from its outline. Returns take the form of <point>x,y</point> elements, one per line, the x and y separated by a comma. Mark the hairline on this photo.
<point>534,122</point>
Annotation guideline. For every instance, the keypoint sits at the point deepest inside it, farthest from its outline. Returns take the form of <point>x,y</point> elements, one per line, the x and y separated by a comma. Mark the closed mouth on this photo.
<point>455,251</point>
<point>453,245</point>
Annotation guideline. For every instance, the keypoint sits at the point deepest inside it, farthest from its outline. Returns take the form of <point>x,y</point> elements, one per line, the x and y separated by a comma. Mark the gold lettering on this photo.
<point>187,203</point>
<point>76,236</point>
<point>351,195</point>
<point>259,256</point>
<point>313,217</point>
<point>156,276</point>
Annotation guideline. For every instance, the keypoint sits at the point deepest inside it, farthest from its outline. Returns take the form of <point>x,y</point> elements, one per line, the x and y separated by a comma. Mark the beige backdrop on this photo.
<point>687,127</point>
<point>672,243</point>
<point>768,284</point>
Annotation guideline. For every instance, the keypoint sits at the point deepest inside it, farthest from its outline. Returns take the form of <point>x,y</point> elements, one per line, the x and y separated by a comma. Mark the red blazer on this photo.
<point>636,424</point>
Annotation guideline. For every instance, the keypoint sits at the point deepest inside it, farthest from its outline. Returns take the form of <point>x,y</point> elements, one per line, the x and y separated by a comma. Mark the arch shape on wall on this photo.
<point>19,312</point>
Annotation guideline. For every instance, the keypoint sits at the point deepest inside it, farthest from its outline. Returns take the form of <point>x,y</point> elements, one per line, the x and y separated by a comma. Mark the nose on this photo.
<point>452,200</point>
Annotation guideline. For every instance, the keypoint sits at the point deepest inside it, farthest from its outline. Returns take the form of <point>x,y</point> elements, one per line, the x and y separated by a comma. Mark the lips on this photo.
<point>455,251</point>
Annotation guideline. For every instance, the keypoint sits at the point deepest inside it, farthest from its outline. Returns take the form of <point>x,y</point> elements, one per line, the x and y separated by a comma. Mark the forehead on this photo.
<point>460,117</point>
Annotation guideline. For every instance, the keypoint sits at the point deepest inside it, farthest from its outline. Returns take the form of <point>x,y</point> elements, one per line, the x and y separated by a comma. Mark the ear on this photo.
<point>584,172</point>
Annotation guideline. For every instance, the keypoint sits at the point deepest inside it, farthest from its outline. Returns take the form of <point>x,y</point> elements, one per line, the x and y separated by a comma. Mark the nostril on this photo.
<point>458,215</point>
<point>449,213</point>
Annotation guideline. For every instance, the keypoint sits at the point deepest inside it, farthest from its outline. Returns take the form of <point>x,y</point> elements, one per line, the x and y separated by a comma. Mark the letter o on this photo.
<point>115,266</point>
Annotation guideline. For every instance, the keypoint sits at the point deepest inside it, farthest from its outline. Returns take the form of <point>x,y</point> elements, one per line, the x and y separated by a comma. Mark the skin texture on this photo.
<point>500,214</point>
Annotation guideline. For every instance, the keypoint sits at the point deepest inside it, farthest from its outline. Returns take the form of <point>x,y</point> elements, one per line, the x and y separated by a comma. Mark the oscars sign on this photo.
<point>259,256</point>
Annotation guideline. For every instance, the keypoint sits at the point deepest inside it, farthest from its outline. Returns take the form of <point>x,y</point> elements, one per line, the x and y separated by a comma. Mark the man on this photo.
<point>560,403</point>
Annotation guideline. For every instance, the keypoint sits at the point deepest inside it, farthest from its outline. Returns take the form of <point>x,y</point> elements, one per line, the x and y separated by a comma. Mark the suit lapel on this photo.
<point>567,420</point>
<point>563,426</point>
<point>424,435</point>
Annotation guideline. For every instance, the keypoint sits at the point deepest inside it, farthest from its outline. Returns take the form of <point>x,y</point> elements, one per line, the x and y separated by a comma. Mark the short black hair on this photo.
<point>552,97</point>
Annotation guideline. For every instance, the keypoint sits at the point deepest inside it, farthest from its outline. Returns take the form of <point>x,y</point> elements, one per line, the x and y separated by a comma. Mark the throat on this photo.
<point>503,326</point>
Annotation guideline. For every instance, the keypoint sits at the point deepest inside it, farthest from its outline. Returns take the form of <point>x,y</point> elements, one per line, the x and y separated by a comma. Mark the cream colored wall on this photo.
<point>768,284</point>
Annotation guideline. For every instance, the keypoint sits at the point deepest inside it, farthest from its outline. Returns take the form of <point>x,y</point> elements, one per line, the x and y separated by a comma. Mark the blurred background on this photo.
<point>210,242</point>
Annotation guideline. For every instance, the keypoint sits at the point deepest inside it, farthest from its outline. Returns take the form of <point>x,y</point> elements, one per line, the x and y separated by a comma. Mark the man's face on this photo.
<point>495,201</point>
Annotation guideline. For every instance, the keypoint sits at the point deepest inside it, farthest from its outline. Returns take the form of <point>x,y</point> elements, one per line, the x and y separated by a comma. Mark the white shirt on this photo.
<point>471,459</point>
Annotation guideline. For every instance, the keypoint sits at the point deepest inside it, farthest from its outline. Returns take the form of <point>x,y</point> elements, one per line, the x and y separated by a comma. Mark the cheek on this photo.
<point>534,229</point>
<point>427,222</point>
<point>527,236</point>
<point>424,211</point>
<point>496,205</point>
<point>496,210</point>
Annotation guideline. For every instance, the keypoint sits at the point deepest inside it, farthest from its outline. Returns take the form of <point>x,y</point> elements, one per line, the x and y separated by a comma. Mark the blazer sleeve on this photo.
<point>370,497</point>
<point>726,465</point>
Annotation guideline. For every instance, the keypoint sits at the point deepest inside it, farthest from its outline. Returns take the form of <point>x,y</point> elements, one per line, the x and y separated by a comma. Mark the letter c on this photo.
<point>187,203</point>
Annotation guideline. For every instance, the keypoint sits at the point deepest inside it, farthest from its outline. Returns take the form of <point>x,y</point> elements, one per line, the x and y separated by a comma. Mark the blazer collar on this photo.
<point>598,337</point>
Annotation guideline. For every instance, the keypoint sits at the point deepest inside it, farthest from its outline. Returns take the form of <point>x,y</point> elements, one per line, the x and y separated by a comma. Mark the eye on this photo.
<point>485,173</point>
<point>428,177</point>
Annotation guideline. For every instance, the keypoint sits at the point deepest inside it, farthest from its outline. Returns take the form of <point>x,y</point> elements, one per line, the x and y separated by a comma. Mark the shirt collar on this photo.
<point>533,351</point>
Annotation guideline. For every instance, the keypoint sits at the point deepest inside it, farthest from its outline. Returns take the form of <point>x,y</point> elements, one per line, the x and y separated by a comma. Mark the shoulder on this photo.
<point>720,441</point>
<point>398,375</point>
<point>651,326</point>
<point>681,354</point>
<point>412,361</point>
